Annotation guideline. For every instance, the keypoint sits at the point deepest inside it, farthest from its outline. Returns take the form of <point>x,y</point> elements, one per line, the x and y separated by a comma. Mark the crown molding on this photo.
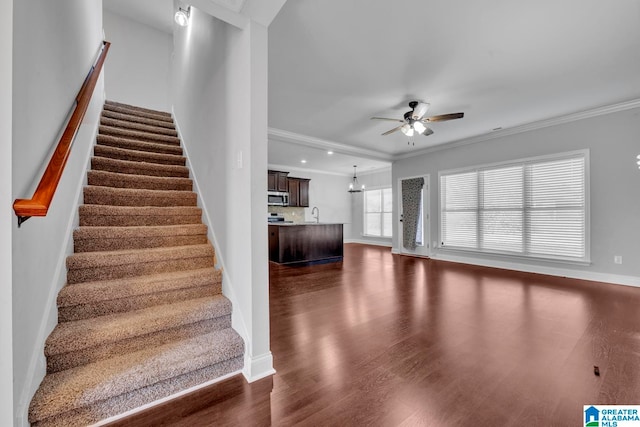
<point>309,141</point>
<point>375,171</point>
<point>286,168</point>
<point>581,115</point>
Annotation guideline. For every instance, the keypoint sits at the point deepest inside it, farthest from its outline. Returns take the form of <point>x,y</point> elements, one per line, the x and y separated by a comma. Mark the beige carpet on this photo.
<point>142,315</point>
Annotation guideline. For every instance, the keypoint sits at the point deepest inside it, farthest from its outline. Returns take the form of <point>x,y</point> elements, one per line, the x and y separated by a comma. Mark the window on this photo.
<point>378,207</point>
<point>531,207</point>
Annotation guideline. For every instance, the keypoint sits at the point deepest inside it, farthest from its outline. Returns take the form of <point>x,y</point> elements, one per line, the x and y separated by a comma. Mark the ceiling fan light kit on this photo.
<point>414,120</point>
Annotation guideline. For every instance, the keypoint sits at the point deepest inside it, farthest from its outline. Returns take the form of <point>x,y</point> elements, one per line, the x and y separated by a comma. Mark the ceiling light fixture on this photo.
<point>407,130</point>
<point>182,16</point>
<point>329,152</point>
<point>353,186</point>
<point>419,127</point>
<point>303,161</point>
<point>638,161</point>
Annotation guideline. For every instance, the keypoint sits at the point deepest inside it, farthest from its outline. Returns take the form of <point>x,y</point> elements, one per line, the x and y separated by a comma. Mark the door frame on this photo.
<point>425,250</point>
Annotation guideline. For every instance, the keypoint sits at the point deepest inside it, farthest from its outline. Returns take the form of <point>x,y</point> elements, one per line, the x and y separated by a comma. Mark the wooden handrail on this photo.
<point>39,204</point>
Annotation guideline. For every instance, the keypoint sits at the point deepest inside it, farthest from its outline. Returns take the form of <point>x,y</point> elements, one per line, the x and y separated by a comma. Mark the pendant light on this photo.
<point>353,186</point>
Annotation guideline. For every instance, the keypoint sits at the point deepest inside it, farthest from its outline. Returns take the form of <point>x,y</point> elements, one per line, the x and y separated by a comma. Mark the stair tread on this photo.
<point>137,108</point>
<point>132,256</point>
<point>88,333</point>
<point>139,210</point>
<point>134,134</point>
<point>153,147</point>
<point>146,156</point>
<point>97,232</point>
<point>116,165</point>
<point>138,192</point>
<point>144,127</point>
<point>81,386</point>
<point>112,114</point>
<point>149,182</point>
<point>105,290</point>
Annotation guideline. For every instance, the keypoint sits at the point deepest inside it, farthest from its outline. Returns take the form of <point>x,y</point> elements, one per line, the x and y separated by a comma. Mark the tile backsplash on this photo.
<point>289,214</point>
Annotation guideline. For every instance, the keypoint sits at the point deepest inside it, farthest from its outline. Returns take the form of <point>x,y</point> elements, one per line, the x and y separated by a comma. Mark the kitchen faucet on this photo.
<point>317,211</point>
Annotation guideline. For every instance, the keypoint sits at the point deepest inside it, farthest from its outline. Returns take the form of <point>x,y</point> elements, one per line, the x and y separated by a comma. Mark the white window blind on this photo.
<point>533,207</point>
<point>378,208</point>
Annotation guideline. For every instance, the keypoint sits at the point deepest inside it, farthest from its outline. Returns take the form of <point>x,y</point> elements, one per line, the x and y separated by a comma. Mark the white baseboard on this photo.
<point>258,367</point>
<point>616,279</point>
<point>368,242</point>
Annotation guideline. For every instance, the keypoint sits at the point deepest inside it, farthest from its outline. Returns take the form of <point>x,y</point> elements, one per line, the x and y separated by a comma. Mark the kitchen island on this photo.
<point>305,243</point>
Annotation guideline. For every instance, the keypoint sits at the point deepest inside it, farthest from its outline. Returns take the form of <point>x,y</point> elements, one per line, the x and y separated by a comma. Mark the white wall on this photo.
<point>614,143</point>
<point>6,217</point>
<point>55,44</point>
<point>219,95</point>
<point>374,180</point>
<point>138,70</point>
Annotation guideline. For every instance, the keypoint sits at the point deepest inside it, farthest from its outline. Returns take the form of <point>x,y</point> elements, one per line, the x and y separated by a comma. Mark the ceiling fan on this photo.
<point>414,120</point>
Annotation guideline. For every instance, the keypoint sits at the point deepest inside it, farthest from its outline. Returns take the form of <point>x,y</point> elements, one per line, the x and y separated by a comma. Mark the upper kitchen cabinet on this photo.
<point>277,181</point>
<point>299,192</point>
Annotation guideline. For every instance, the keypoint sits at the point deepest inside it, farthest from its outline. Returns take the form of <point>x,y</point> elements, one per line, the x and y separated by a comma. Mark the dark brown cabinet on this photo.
<point>304,244</point>
<point>277,181</point>
<point>294,192</point>
<point>299,192</point>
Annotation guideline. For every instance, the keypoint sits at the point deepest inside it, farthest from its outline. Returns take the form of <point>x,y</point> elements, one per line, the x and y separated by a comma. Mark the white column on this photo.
<point>261,359</point>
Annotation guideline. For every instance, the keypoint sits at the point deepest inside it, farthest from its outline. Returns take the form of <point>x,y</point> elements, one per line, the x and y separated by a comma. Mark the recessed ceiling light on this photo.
<point>303,161</point>
<point>329,152</point>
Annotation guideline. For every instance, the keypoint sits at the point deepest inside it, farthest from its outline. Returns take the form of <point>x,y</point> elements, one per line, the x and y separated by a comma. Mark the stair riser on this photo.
<point>95,198</point>
<point>138,181</point>
<point>138,113</point>
<point>137,119</point>
<point>131,144</point>
<point>138,156</point>
<point>104,409</point>
<point>70,360</point>
<point>95,245</point>
<point>101,163</point>
<point>112,103</point>
<point>106,121</point>
<point>122,305</point>
<point>139,136</point>
<point>138,220</point>
<point>137,269</point>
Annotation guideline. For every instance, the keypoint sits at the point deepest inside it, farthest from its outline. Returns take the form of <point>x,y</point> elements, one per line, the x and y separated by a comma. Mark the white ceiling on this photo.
<point>334,64</point>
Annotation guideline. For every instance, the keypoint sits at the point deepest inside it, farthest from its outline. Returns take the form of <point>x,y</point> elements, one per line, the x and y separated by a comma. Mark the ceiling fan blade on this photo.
<point>384,118</point>
<point>444,117</point>
<point>392,130</point>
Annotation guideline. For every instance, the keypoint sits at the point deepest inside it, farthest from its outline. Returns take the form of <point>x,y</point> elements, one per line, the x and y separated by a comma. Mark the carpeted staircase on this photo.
<point>142,316</point>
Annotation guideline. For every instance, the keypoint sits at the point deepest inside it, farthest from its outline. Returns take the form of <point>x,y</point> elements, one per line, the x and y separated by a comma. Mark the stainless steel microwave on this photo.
<point>277,198</point>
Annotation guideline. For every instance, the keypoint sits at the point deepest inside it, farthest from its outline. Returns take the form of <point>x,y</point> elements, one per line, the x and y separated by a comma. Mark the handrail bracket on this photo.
<point>22,219</point>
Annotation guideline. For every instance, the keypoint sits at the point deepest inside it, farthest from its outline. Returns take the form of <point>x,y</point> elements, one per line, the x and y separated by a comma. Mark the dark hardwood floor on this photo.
<point>382,339</point>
